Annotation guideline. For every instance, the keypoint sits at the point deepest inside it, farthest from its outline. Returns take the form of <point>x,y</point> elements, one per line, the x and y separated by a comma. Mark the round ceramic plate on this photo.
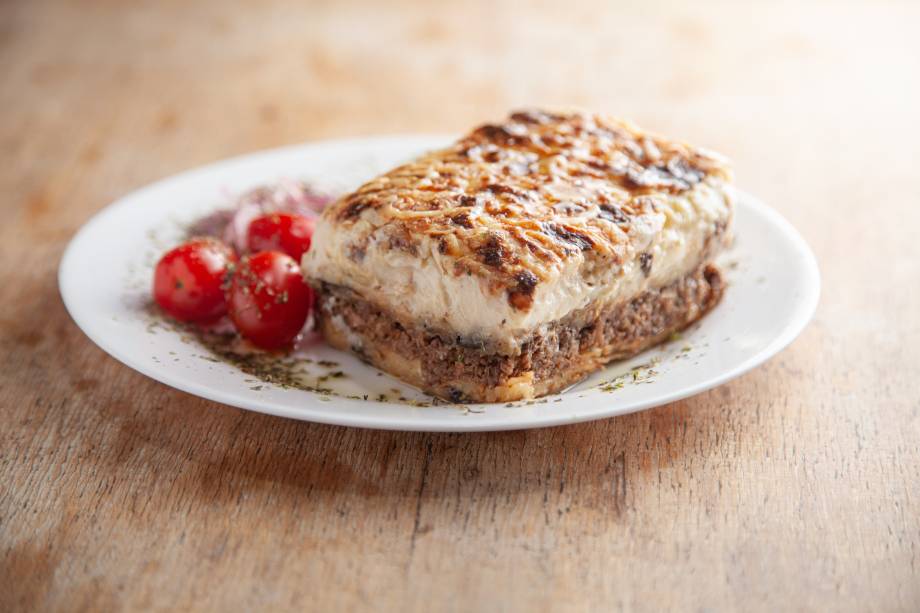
<point>105,277</point>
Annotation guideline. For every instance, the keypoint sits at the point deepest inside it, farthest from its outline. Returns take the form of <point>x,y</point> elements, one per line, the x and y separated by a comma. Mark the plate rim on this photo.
<point>801,317</point>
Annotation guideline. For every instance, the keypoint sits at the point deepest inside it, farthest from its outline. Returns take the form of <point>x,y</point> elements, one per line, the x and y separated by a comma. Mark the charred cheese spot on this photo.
<point>521,296</point>
<point>673,176</point>
<point>645,262</point>
<point>611,212</point>
<point>569,236</point>
<point>401,242</point>
<point>506,134</point>
<point>492,157</point>
<point>462,220</point>
<point>354,209</point>
<point>492,251</point>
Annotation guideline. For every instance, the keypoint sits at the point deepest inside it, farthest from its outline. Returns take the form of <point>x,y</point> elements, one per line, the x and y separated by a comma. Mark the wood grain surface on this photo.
<point>793,488</point>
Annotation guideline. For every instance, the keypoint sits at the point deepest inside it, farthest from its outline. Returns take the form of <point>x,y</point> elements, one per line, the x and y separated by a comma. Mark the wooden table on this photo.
<point>795,487</point>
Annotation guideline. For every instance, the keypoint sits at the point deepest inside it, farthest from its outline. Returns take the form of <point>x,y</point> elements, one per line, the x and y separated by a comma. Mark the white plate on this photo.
<point>106,271</point>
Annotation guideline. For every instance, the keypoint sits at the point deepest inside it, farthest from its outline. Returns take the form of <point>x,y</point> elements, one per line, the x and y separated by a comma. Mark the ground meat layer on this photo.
<point>551,358</point>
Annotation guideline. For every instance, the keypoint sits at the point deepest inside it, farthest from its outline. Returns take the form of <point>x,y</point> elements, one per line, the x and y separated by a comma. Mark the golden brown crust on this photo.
<point>512,201</point>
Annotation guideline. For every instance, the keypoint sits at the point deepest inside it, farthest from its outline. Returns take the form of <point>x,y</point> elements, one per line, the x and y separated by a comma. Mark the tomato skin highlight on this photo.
<point>268,300</point>
<point>285,232</point>
<point>188,280</point>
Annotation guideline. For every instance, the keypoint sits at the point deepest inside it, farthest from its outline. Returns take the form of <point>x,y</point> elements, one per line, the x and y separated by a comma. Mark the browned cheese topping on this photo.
<point>511,201</point>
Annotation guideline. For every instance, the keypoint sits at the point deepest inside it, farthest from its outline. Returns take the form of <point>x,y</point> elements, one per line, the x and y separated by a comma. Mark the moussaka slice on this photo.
<point>524,256</point>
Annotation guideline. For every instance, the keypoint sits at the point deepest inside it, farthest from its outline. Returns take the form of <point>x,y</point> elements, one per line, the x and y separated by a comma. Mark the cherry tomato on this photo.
<point>268,299</point>
<point>284,232</point>
<point>187,282</point>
